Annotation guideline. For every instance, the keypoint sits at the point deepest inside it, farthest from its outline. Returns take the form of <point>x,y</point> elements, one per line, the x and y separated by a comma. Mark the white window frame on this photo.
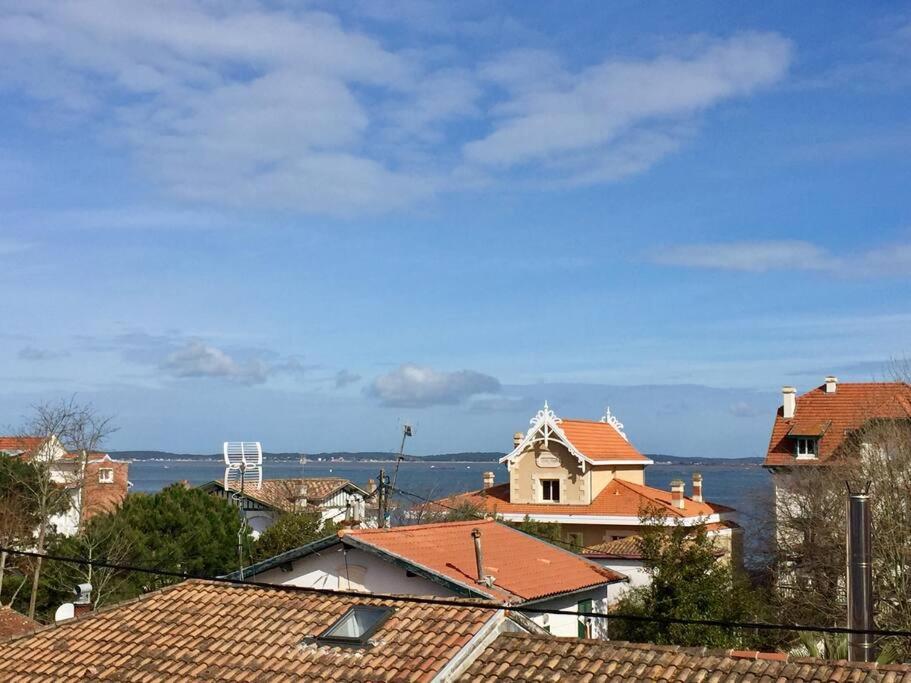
<point>105,475</point>
<point>550,484</point>
<point>806,448</point>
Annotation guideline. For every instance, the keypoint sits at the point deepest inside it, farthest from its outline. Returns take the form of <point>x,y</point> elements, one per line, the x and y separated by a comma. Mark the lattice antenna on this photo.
<point>243,464</point>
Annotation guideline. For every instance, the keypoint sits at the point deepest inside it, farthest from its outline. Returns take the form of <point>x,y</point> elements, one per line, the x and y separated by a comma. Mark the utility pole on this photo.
<point>381,499</point>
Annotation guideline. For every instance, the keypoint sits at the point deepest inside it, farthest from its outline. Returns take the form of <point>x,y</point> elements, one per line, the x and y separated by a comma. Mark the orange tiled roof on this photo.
<point>527,657</point>
<point>13,624</point>
<point>207,631</point>
<point>283,494</point>
<point>618,498</point>
<point>15,444</point>
<point>846,410</point>
<point>599,441</point>
<point>523,567</point>
<point>621,549</point>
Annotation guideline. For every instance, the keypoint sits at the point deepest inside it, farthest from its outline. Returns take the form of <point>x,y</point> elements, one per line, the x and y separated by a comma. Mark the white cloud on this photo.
<point>574,122</point>
<point>416,386</point>
<point>265,107</point>
<point>754,257</point>
<point>794,255</point>
<point>201,360</point>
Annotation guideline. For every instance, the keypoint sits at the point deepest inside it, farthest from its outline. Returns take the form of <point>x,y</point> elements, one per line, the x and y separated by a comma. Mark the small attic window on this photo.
<point>356,625</point>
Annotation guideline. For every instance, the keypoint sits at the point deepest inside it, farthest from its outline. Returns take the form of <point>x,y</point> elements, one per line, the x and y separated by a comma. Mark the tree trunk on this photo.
<point>34,597</point>
<point>2,570</point>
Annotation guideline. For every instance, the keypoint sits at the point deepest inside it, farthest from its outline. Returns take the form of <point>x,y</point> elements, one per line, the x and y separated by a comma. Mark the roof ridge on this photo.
<point>429,525</point>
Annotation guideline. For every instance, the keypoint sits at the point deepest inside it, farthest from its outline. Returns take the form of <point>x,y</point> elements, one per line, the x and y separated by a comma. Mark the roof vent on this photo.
<point>356,625</point>
<point>831,384</point>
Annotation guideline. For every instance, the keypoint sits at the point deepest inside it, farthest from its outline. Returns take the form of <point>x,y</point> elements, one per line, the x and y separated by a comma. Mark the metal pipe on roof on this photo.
<point>860,575</point>
<point>479,558</point>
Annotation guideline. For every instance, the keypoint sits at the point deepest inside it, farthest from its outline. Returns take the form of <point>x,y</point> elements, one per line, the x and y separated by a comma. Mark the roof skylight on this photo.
<point>356,625</point>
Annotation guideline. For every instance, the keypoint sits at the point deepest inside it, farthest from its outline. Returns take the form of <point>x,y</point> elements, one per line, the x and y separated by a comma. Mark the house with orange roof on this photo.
<point>588,477</point>
<point>475,559</point>
<point>95,482</point>
<point>821,427</point>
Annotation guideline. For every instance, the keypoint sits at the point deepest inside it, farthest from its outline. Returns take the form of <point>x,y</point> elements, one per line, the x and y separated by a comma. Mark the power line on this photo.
<point>450,602</point>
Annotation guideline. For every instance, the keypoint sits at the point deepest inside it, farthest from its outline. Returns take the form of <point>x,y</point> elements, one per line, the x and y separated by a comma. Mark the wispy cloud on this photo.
<point>345,377</point>
<point>416,386</point>
<point>296,109</point>
<point>794,255</point>
<point>33,353</point>
<point>618,117</point>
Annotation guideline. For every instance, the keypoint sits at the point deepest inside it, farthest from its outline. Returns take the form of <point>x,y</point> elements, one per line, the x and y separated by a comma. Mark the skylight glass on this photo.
<point>357,624</point>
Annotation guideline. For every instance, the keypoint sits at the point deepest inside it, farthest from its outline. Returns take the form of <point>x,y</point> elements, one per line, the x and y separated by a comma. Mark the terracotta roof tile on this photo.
<point>621,549</point>
<point>13,624</point>
<point>527,657</point>
<point>599,441</point>
<point>284,494</point>
<point>834,416</point>
<point>15,444</point>
<point>524,567</point>
<point>618,498</point>
<point>157,640</point>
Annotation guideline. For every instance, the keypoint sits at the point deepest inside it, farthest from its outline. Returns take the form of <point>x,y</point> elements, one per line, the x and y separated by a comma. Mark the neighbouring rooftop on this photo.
<point>526,657</point>
<point>13,624</point>
<point>287,494</point>
<point>205,631</point>
<point>830,413</point>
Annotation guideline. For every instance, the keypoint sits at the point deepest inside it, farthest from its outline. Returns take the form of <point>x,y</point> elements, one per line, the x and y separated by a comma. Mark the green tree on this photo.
<point>547,531</point>
<point>291,530</point>
<point>688,581</point>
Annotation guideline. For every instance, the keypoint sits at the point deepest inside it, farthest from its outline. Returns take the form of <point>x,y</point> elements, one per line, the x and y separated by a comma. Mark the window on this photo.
<point>550,490</point>
<point>356,625</point>
<point>806,448</point>
<point>106,475</point>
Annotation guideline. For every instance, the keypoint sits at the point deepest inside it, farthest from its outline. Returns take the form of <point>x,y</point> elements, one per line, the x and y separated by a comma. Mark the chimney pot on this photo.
<point>677,494</point>
<point>83,602</point>
<point>831,384</point>
<point>517,438</point>
<point>697,487</point>
<point>478,556</point>
<point>488,479</point>
<point>788,402</point>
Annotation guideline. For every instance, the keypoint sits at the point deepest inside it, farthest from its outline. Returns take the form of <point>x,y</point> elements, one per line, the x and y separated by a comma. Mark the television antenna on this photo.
<point>243,466</point>
<point>407,430</point>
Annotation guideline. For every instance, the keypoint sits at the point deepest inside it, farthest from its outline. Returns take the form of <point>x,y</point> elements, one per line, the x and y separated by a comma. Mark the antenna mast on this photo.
<point>407,430</point>
<point>243,464</point>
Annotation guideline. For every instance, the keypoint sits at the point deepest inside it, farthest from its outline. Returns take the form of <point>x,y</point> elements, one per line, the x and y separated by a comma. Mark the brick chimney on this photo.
<point>677,493</point>
<point>697,487</point>
<point>831,384</point>
<point>788,401</point>
<point>83,602</point>
<point>488,479</point>
<point>517,438</point>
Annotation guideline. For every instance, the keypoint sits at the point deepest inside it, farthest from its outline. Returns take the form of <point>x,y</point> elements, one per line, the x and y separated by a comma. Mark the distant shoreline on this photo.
<point>384,458</point>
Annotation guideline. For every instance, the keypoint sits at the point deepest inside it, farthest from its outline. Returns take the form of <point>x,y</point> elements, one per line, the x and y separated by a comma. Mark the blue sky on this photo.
<point>305,223</point>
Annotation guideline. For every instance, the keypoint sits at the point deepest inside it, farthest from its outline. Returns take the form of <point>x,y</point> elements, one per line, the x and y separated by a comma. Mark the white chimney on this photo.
<point>831,384</point>
<point>677,493</point>
<point>517,438</point>
<point>697,487</point>
<point>788,401</point>
<point>488,479</point>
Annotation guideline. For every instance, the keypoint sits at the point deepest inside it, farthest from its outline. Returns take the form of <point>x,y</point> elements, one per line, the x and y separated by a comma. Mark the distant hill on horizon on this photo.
<point>386,456</point>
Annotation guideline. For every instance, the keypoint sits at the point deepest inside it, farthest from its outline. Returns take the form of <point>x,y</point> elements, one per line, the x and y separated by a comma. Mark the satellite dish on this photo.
<point>64,612</point>
<point>243,464</point>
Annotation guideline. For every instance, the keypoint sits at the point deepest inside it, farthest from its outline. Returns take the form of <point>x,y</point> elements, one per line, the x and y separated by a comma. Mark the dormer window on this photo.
<point>806,448</point>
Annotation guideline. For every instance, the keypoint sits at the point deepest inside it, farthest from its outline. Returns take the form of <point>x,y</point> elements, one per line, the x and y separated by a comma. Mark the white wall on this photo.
<point>632,569</point>
<point>323,570</point>
<point>567,624</point>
